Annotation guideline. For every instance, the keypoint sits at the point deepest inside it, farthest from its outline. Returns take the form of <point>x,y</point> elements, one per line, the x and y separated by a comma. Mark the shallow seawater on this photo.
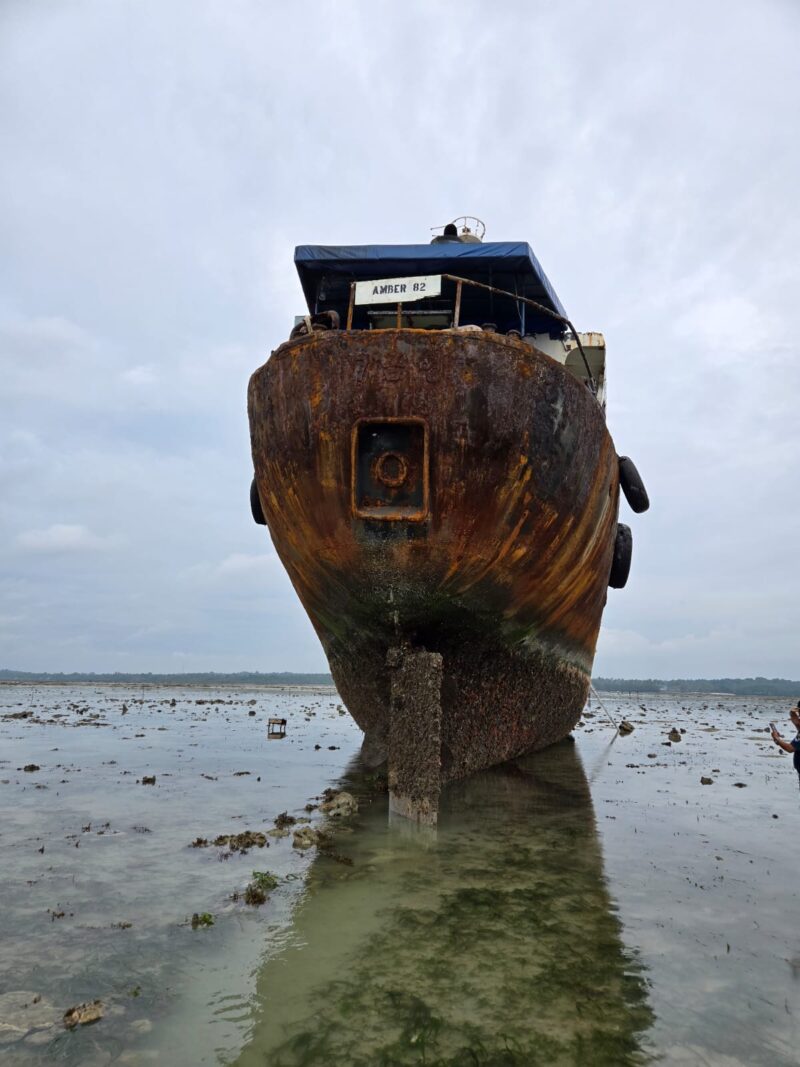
<point>492,941</point>
<point>591,904</point>
<point>99,879</point>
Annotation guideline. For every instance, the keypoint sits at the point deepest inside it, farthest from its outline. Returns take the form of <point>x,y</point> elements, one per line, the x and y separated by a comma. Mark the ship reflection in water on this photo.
<point>490,941</point>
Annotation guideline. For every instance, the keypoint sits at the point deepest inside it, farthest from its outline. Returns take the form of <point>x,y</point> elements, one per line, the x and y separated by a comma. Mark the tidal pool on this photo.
<point>592,904</point>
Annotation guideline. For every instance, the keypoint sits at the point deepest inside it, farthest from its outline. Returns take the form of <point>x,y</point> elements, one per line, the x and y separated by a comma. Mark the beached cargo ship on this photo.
<point>432,460</point>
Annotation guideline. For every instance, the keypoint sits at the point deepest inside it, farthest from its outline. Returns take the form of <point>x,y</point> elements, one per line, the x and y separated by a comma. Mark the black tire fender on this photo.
<point>632,486</point>
<point>621,563</point>
<point>255,505</point>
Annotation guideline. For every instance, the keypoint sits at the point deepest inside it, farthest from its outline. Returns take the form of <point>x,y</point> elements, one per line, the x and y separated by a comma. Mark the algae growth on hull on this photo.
<point>492,942</point>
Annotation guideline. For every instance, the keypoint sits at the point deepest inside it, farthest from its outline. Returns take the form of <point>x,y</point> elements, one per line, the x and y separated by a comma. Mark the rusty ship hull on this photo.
<point>452,491</point>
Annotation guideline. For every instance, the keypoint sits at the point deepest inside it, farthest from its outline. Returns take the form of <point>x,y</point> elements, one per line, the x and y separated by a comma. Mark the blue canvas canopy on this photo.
<point>326,272</point>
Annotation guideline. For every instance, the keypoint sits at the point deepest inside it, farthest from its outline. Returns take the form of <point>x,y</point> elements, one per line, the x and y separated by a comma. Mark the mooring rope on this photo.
<point>605,709</point>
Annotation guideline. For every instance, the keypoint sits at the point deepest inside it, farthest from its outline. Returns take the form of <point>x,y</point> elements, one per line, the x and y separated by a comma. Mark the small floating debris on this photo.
<point>276,728</point>
<point>625,727</point>
<point>706,781</point>
<point>675,734</point>
<point>148,779</point>
<point>202,918</point>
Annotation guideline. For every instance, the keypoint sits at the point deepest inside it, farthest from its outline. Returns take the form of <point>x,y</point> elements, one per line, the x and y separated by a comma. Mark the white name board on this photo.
<point>398,290</point>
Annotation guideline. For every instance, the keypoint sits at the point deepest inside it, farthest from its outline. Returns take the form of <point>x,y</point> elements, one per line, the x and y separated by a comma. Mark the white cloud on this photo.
<point>241,563</point>
<point>141,374</point>
<point>62,537</point>
<point>730,326</point>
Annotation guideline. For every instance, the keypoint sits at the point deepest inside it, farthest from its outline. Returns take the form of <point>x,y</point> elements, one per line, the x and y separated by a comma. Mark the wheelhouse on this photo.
<point>455,282</point>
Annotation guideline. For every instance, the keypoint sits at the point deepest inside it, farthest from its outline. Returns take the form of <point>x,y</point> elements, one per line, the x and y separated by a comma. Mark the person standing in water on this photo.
<point>790,746</point>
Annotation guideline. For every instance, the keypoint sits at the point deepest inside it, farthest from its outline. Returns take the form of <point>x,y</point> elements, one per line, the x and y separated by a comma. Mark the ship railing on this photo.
<point>460,283</point>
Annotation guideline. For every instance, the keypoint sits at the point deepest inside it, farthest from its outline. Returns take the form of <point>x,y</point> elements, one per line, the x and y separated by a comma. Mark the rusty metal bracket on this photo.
<point>351,305</point>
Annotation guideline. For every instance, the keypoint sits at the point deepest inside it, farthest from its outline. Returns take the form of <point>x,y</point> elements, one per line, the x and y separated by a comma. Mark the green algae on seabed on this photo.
<point>494,943</point>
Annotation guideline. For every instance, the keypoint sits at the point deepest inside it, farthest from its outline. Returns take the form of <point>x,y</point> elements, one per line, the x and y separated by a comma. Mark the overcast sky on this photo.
<point>160,161</point>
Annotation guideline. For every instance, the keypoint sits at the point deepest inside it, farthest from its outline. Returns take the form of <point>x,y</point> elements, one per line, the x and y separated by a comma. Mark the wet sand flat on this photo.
<point>100,881</point>
<point>596,903</point>
<point>705,875</point>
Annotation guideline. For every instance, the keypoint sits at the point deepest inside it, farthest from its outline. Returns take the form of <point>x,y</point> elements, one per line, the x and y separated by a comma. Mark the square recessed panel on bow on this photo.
<point>390,469</point>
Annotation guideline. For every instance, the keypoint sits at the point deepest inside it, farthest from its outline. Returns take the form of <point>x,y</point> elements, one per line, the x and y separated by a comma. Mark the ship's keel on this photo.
<point>414,747</point>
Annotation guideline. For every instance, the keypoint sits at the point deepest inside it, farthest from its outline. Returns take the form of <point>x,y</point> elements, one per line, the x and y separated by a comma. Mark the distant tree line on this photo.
<point>196,678</point>
<point>777,687</point>
<point>744,687</point>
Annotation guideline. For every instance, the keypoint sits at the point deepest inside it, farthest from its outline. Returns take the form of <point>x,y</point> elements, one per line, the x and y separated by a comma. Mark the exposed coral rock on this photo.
<point>339,805</point>
<point>83,1014</point>
<point>306,837</point>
